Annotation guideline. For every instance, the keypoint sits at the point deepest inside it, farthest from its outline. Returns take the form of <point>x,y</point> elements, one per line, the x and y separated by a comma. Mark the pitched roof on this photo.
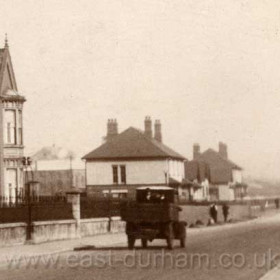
<point>132,144</point>
<point>214,159</point>
<point>196,170</point>
<point>211,165</point>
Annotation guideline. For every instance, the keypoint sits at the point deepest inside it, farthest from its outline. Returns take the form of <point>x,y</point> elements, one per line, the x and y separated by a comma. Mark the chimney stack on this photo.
<point>112,129</point>
<point>196,151</point>
<point>148,127</point>
<point>158,135</point>
<point>223,150</point>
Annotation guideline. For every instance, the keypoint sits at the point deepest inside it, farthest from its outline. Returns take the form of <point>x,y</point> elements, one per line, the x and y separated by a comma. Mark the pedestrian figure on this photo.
<point>225,212</point>
<point>214,212</point>
<point>277,203</point>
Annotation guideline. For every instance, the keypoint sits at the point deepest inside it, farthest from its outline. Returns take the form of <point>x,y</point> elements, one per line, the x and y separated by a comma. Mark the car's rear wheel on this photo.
<point>131,241</point>
<point>144,242</point>
<point>169,240</point>
<point>183,242</point>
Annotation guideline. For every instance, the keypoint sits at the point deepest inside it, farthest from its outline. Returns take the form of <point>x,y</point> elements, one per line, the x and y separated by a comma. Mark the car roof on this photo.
<point>155,188</point>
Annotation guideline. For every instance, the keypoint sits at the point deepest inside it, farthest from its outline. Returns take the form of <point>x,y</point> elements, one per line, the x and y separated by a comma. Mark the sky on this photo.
<point>209,70</point>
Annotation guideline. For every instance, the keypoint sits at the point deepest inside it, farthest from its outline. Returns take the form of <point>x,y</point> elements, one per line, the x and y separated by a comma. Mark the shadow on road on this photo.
<point>118,248</point>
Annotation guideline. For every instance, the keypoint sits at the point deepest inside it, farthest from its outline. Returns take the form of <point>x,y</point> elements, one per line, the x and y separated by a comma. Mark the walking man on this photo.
<point>214,212</point>
<point>225,212</point>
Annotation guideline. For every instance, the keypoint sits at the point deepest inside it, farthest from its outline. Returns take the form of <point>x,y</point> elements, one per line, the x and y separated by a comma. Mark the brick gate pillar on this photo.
<point>73,197</point>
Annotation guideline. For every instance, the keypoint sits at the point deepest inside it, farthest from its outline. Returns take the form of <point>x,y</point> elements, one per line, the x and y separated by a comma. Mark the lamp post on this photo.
<point>26,161</point>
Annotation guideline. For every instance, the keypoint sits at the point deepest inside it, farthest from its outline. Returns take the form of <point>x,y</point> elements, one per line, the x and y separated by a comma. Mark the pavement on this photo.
<point>273,274</point>
<point>56,247</point>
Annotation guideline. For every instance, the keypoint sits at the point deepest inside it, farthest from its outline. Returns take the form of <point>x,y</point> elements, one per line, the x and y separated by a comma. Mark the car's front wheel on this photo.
<point>144,242</point>
<point>170,236</point>
<point>131,241</point>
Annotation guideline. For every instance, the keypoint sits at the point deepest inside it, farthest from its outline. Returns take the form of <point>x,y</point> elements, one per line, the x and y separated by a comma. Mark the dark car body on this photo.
<point>154,215</point>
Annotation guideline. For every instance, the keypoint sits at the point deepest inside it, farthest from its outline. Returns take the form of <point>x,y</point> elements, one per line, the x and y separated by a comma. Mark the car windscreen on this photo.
<point>155,196</point>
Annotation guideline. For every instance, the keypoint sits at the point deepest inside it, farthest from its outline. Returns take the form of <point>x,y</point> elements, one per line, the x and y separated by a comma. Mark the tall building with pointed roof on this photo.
<point>11,128</point>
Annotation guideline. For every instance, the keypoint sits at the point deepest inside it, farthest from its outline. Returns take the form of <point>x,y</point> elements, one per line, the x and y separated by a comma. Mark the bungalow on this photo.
<point>220,177</point>
<point>131,159</point>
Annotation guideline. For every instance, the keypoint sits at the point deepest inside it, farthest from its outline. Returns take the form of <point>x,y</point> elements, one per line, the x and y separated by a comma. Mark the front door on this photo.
<point>11,185</point>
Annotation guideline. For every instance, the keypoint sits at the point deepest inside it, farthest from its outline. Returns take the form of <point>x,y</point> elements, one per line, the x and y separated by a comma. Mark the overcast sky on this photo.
<point>209,70</point>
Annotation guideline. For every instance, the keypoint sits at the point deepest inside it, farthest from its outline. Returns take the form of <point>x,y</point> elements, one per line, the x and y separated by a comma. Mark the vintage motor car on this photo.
<point>154,215</point>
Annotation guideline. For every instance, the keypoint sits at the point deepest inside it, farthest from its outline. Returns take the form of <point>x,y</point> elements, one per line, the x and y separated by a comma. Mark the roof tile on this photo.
<point>211,165</point>
<point>132,144</point>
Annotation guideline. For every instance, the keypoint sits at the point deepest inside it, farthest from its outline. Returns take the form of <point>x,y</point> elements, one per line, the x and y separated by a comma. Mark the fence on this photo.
<point>22,208</point>
<point>96,207</point>
<point>48,208</point>
<point>100,207</point>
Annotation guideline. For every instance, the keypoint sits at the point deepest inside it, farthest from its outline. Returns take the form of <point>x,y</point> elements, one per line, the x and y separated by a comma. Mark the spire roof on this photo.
<point>6,41</point>
<point>8,86</point>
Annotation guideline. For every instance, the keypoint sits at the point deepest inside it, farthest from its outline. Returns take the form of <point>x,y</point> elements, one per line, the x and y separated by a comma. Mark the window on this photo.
<point>10,126</point>
<point>123,174</point>
<point>20,141</point>
<point>115,174</point>
<point>119,171</point>
<point>119,194</point>
<point>9,133</point>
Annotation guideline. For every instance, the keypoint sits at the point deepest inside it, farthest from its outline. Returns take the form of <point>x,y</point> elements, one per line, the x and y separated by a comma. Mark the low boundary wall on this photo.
<point>12,234</point>
<point>46,231</point>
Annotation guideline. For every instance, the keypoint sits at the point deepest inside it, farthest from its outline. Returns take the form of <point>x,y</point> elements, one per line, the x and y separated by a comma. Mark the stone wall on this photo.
<point>90,227</point>
<point>12,234</point>
<point>117,225</point>
<point>193,213</point>
<point>15,233</point>
<point>54,230</point>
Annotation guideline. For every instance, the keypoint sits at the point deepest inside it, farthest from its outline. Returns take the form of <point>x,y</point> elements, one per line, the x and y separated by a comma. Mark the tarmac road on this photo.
<point>239,251</point>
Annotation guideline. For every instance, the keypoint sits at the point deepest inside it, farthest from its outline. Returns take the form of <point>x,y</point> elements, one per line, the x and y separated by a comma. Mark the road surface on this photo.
<point>241,251</point>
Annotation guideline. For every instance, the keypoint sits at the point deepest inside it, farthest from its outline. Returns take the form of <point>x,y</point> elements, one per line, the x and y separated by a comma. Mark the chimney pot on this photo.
<point>148,127</point>
<point>196,151</point>
<point>223,150</point>
<point>158,135</point>
<point>112,129</point>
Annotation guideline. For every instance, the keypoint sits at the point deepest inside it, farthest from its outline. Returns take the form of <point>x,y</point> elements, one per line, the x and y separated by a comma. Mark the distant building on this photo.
<point>131,159</point>
<point>197,172</point>
<point>52,153</point>
<point>57,170</point>
<point>11,128</point>
<point>220,177</point>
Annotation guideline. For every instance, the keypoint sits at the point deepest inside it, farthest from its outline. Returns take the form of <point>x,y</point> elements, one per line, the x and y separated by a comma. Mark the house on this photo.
<point>57,170</point>
<point>11,128</point>
<point>221,178</point>
<point>131,159</point>
<point>197,173</point>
